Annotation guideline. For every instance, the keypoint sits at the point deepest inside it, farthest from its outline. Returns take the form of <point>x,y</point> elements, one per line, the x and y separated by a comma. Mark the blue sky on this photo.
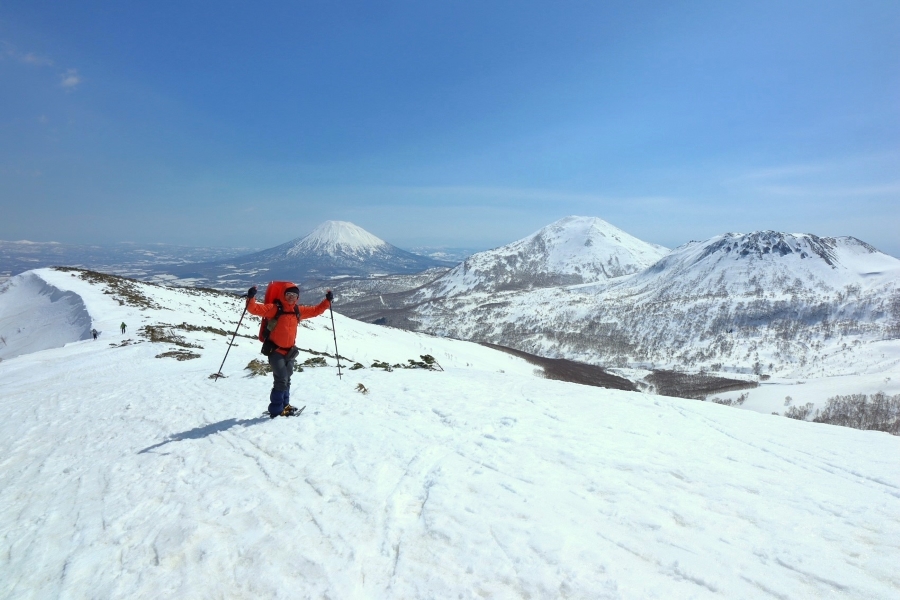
<point>447,123</point>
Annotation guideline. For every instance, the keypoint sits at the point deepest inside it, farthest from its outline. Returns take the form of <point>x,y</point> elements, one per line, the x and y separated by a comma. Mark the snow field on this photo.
<point>432,485</point>
<point>124,475</point>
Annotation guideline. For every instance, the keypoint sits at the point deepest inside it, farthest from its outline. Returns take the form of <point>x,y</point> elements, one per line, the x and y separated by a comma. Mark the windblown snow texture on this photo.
<point>132,476</point>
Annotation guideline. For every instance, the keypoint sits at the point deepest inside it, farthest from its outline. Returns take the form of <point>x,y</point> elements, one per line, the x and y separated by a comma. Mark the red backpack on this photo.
<point>274,294</point>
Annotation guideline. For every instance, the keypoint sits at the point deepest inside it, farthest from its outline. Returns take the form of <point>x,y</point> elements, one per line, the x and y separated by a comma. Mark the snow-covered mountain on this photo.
<point>333,249</point>
<point>766,263</point>
<point>335,238</point>
<point>128,473</point>
<point>768,301</point>
<point>794,305</point>
<point>571,250</point>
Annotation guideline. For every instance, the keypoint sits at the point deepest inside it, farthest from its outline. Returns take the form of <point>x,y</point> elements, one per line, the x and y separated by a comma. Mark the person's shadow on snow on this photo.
<point>207,430</point>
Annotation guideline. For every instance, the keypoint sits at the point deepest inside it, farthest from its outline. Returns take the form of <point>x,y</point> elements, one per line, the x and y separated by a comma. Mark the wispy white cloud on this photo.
<point>70,79</point>
<point>28,58</point>
<point>33,59</point>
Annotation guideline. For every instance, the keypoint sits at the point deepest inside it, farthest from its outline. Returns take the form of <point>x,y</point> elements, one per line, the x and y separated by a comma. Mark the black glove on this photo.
<point>251,293</point>
<point>329,296</point>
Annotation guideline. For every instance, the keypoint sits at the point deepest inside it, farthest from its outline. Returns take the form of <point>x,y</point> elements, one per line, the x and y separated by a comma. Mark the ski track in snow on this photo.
<point>123,475</point>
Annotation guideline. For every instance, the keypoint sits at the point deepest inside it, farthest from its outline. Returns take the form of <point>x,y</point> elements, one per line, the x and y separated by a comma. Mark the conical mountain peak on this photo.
<point>332,249</point>
<point>338,236</point>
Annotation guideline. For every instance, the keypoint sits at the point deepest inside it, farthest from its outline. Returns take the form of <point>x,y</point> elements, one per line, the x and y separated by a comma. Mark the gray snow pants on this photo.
<point>282,369</point>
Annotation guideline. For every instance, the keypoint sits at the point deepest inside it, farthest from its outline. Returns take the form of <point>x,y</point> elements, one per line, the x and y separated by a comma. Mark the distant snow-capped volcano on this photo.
<point>569,251</point>
<point>337,237</point>
<point>333,249</point>
<point>341,248</point>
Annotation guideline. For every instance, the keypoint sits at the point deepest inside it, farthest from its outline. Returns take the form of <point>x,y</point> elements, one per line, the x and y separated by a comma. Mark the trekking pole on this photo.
<point>219,373</point>
<point>336,353</point>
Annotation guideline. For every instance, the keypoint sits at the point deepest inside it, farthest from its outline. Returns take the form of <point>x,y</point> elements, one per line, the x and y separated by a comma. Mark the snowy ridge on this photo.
<point>35,315</point>
<point>569,251</point>
<point>734,262</point>
<point>137,476</point>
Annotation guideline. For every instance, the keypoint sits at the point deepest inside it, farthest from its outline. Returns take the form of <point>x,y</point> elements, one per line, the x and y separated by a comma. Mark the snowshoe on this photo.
<point>292,411</point>
<point>289,411</point>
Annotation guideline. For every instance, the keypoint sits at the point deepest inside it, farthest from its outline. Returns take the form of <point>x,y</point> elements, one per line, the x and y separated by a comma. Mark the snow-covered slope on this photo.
<point>333,249</point>
<point>35,315</point>
<point>129,475</point>
<point>571,250</point>
<point>126,475</point>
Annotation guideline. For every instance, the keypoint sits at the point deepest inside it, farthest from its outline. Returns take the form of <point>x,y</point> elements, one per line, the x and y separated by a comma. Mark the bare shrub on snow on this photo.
<point>258,367</point>
<point>732,402</point>
<point>878,412</point>
<point>799,412</point>
<point>164,333</point>
<point>179,355</point>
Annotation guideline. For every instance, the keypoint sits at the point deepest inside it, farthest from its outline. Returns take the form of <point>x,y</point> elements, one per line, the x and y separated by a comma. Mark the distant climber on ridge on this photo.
<point>122,326</point>
<point>281,315</point>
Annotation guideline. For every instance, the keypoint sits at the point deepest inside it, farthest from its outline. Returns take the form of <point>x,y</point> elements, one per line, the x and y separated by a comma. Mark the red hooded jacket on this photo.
<point>285,333</point>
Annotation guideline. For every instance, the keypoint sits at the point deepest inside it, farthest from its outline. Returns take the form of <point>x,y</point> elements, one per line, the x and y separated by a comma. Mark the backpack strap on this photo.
<point>280,307</point>
<point>268,346</point>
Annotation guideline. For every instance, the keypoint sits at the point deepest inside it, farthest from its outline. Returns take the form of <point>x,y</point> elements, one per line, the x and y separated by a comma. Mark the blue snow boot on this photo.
<point>276,403</point>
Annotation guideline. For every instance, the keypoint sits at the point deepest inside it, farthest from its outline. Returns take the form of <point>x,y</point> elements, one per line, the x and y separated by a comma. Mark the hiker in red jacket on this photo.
<point>283,315</point>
